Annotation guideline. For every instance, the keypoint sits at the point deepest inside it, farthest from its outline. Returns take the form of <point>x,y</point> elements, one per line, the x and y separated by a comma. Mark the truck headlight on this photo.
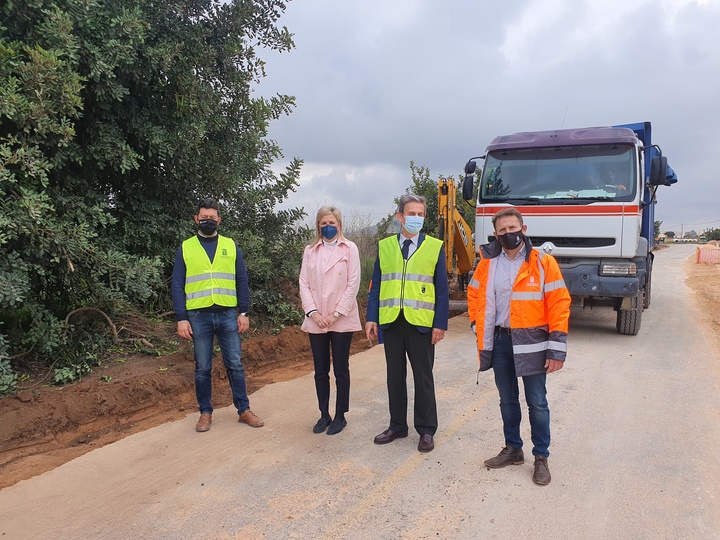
<point>618,269</point>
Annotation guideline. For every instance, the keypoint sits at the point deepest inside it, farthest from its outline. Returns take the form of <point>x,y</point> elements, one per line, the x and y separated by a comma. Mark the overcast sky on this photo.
<point>380,83</point>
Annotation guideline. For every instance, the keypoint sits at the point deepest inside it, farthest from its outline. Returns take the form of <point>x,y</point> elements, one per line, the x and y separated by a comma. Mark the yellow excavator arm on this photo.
<point>455,233</point>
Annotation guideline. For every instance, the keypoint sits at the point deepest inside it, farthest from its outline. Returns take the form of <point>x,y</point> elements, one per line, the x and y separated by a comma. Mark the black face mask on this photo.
<point>207,226</point>
<point>511,240</point>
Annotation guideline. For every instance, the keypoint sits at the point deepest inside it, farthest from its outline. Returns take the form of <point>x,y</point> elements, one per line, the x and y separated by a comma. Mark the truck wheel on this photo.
<point>648,286</point>
<point>628,320</point>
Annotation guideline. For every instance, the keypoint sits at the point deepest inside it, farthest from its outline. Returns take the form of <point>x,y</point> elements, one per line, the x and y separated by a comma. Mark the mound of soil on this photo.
<point>44,426</point>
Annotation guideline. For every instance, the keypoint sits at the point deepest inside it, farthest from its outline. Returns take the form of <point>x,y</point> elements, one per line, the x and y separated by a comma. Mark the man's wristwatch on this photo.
<point>336,314</point>
<point>244,314</point>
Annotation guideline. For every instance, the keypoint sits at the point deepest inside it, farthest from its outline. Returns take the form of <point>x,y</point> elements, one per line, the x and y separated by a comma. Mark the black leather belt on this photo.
<point>503,330</point>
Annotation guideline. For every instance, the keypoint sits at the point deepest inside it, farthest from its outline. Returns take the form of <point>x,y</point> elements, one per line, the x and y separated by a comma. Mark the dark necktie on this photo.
<point>406,248</point>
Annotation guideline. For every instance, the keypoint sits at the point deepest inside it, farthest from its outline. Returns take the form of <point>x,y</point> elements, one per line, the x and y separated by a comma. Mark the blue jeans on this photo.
<point>506,381</point>
<point>205,326</point>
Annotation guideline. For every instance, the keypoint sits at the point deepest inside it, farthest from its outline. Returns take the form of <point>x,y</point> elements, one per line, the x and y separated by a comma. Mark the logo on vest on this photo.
<point>532,282</point>
<point>224,252</point>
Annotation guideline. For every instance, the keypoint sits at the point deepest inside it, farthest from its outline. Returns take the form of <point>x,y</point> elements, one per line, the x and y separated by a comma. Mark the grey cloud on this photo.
<point>379,84</point>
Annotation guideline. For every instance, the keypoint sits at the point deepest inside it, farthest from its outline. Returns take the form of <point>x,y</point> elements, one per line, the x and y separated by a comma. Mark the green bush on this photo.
<point>278,312</point>
<point>8,378</point>
<point>115,120</point>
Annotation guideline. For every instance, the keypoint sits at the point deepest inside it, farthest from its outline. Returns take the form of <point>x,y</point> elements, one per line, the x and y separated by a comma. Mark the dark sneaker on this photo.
<point>541,475</point>
<point>507,456</point>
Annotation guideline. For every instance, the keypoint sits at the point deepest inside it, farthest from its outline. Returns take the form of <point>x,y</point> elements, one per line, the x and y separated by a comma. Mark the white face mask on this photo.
<point>413,224</point>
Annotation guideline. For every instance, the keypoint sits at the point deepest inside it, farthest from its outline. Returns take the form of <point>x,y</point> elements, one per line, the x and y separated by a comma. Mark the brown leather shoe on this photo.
<point>250,418</point>
<point>389,436</point>
<point>507,456</point>
<point>204,422</point>
<point>541,475</point>
<point>426,443</point>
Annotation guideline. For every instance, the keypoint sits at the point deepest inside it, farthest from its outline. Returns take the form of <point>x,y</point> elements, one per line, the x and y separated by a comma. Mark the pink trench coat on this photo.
<point>333,288</point>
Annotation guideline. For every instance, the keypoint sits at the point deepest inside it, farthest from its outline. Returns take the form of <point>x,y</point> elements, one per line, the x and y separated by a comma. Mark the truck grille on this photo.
<point>566,241</point>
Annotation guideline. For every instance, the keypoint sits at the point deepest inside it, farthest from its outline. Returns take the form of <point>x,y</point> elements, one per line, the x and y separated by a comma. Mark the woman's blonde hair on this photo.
<point>324,211</point>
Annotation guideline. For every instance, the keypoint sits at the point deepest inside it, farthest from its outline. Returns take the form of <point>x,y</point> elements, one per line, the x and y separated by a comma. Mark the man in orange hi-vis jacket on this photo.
<point>519,309</point>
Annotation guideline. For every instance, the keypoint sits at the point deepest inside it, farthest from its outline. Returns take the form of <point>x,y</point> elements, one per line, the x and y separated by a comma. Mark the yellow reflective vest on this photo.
<point>209,283</point>
<point>408,285</point>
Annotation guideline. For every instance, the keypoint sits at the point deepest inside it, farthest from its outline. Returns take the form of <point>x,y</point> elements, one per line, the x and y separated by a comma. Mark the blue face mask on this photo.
<point>329,232</point>
<point>413,224</point>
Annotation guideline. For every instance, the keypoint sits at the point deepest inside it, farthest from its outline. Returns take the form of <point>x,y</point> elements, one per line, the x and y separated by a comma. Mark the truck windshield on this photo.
<point>572,173</point>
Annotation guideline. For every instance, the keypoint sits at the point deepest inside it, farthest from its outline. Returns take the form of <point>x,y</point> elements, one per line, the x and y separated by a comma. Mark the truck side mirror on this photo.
<point>670,176</point>
<point>658,171</point>
<point>467,187</point>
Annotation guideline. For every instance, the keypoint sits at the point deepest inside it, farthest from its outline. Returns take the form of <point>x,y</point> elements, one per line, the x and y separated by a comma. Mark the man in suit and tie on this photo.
<point>409,301</point>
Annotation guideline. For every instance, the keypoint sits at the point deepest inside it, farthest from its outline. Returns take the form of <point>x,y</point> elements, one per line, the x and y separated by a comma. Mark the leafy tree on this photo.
<point>712,234</point>
<point>116,118</point>
<point>670,234</point>
<point>424,186</point>
<point>657,224</point>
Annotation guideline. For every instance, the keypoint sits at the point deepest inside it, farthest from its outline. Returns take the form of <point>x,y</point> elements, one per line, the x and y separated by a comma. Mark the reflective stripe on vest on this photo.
<point>533,340</point>
<point>408,285</point>
<point>206,283</point>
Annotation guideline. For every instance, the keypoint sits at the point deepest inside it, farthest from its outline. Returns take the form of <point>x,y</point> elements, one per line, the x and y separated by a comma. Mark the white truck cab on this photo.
<point>587,196</point>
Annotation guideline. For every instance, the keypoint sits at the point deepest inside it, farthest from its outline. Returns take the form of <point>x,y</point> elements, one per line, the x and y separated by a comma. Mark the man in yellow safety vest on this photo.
<point>408,301</point>
<point>211,298</point>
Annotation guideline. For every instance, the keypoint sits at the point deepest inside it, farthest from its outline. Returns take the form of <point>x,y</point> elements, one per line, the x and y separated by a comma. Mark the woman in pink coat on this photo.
<point>329,282</point>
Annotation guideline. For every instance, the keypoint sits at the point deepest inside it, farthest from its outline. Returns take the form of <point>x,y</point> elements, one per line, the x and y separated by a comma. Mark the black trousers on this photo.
<point>322,345</point>
<point>402,342</point>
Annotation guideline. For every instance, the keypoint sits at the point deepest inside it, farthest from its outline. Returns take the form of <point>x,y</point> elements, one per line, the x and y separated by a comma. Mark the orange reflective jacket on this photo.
<point>539,310</point>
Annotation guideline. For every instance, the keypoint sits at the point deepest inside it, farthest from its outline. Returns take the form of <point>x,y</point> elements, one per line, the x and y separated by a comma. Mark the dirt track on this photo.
<point>635,421</point>
<point>46,426</point>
